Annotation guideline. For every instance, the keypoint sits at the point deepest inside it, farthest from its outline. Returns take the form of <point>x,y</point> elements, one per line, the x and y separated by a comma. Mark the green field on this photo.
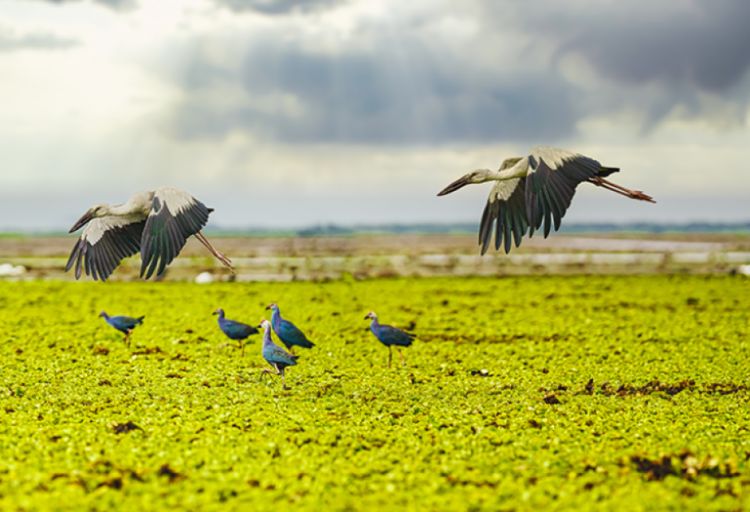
<point>520,393</point>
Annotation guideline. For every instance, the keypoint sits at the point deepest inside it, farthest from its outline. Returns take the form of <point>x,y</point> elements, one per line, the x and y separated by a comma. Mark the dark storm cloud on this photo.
<point>705,44</point>
<point>399,94</point>
<point>10,41</point>
<point>409,87</point>
<point>279,6</point>
<point>657,57</point>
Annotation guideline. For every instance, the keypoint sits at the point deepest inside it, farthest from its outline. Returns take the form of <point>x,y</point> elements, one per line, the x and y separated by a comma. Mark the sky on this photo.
<point>283,113</point>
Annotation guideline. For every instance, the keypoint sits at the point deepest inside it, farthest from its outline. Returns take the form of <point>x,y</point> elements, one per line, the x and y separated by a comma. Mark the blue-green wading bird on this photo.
<point>124,324</point>
<point>390,336</point>
<point>235,330</point>
<point>274,354</point>
<point>287,332</point>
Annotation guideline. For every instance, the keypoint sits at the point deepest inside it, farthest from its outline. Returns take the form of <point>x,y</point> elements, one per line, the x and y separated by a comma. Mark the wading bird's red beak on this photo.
<point>85,218</point>
<point>460,182</point>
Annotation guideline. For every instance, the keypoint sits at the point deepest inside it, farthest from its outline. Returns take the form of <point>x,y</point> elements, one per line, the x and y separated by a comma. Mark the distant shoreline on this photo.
<point>427,229</point>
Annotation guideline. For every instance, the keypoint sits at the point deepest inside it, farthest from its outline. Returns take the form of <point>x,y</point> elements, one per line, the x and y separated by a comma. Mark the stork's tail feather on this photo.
<point>606,171</point>
<point>139,320</point>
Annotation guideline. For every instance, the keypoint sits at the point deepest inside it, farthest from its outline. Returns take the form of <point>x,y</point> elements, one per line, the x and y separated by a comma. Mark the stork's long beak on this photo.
<point>85,218</point>
<point>460,182</point>
<point>367,316</point>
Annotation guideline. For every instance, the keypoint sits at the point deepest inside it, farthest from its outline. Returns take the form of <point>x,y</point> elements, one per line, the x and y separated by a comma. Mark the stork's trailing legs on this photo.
<point>226,261</point>
<point>390,355</point>
<point>614,187</point>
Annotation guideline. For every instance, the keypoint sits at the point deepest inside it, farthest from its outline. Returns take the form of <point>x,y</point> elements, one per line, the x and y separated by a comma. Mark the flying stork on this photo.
<point>534,190</point>
<point>156,222</point>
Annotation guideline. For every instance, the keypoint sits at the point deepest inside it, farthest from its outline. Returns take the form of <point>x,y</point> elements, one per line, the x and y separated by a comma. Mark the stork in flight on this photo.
<point>156,222</point>
<point>534,190</point>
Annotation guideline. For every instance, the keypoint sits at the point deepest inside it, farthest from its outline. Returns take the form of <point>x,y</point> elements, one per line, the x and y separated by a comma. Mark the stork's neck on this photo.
<point>518,170</point>
<point>221,315</point>
<point>138,205</point>
<point>374,324</point>
<point>485,175</point>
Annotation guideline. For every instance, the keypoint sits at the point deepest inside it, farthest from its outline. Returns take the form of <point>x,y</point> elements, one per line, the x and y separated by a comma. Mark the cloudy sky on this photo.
<point>291,113</point>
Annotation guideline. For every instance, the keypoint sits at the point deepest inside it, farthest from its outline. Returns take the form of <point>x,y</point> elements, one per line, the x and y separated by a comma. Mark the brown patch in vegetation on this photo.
<point>124,428</point>
<point>656,386</point>
<point>551,399</point>
<point>148,351</point>
<point>100,350</point>
<point>167,471</point>
<point>685,465</point>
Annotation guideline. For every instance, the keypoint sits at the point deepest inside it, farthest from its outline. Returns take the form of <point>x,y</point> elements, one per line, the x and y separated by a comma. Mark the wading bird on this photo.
<point>287,332</point>
<point>390,336</point>
<point>534,190</point>
<point>274,354</point>
<point>235,330</point>
<point>124,324</point>
<point>157,223</point>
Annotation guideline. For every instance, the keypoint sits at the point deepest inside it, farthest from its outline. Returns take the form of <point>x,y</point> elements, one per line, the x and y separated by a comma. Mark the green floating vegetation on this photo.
<point>580,393</point>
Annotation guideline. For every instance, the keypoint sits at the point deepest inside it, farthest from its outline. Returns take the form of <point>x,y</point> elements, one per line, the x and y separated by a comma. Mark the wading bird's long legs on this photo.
<point>226,261</point>
<point>390,356</point>
<point>403,360</point>
<point>277,372</point>
<point>614,187</point>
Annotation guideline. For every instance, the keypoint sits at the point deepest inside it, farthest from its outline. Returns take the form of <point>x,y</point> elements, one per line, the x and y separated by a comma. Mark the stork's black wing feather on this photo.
<point>506,210</point>
<point>550,185</point>
<point>175,216</point>
<point>104,243</point>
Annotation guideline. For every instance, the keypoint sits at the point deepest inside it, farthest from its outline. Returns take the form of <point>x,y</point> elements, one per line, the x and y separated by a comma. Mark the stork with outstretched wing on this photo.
<point>156,223</point>
<point>534,192</point>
